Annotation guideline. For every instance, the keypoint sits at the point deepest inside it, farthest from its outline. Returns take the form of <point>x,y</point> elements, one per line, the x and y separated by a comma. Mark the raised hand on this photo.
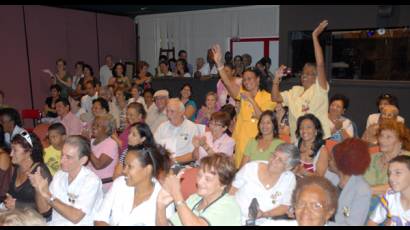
<point>216,54</point>
<point>280,72</point>
<point>39,183</point>
<point>319,29</point>
<point>164,198</point>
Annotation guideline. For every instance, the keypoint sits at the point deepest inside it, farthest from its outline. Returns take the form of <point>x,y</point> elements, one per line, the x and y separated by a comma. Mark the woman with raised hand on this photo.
<point>253,102</point>
<point>312,95</point>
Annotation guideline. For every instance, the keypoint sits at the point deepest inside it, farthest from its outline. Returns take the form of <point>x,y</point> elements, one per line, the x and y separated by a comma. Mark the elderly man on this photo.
<point>75,192</point>
<point>177,133</point>
<point>157,114</point>
<point>70,121</point>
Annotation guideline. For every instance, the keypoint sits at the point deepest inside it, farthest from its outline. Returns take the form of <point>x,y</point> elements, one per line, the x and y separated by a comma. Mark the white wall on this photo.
<point>196,31</point>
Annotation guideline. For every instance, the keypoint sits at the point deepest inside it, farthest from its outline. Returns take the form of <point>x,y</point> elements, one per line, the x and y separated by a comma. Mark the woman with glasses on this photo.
<point>270,182</point>
<point>132,198</point>
<point>264,144</point>
<point>27,157</point>
<point>314,202</point>
<point>253,102</point>
<point>216,140</point>
<point>312,96</point>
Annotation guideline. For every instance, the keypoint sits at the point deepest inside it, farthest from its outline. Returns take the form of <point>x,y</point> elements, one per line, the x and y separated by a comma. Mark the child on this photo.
<point>395,204</point>
<point>52,155</point>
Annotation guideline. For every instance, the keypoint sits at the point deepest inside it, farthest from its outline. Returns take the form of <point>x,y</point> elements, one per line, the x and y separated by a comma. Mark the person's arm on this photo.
<point>245,159</point>
<point>322,163</point>
<point>189,111</point>
<point>66,83</point>
<point>379,189</point>
<point>320,63</point>
<point>99,163</point>
<point>187,157</point>
<point>275,93</point>
<point>232,88</point>
<point>163,200</point>
<point>257,110</point>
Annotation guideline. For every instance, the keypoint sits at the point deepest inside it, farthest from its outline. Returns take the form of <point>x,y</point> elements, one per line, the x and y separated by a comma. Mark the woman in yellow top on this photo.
<point>253,102</point>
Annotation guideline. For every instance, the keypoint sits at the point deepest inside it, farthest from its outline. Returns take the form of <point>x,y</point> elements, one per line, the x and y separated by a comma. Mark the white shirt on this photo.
<point>87,102</point>
<point>205,70</point>
<point>86,189</point>
<point>374,119</point>
<point>249,186</point>
<point>178,140</point>
<point>346,125</point>
<point>390,205</point>
<point>155,117</point>
<point>105,75</point>
<point>117,210</point>
<point>76,80</point>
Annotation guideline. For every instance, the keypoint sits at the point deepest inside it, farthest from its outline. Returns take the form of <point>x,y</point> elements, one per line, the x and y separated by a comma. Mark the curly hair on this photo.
<point>352,156</point>
<point>36,150</point>
<point>403,133</point>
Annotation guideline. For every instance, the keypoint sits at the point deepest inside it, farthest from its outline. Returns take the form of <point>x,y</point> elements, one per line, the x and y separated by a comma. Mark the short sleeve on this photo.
<point>380,213</point>
<point>288,191</point>
<point>285,96</point>
<point>111,149</point>
<point>225,212</point>
<point>240,177</point>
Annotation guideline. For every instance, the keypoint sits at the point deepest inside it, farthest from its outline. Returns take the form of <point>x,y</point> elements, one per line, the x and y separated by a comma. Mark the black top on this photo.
<point>25,193</point>
<point>49,102</point>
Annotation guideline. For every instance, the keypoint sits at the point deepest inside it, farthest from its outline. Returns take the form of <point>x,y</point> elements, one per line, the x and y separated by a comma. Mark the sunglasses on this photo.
<point>27,137</point>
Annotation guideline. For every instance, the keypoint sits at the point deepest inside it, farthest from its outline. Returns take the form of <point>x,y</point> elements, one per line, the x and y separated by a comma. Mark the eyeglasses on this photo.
<point>214,123</point>
<point>27,137</point>
<point>314,206</point>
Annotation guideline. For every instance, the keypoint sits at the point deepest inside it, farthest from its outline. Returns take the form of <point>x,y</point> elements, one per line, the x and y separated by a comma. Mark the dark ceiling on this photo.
<point>134,10</point>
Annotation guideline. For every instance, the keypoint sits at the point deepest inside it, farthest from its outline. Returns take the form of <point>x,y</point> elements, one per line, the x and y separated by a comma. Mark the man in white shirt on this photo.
<point>106,70</point>
<point>75,192</point>
<point>11,122</point>
<point>177,133</point>
<point>157,114</point>
<point>87,100</point>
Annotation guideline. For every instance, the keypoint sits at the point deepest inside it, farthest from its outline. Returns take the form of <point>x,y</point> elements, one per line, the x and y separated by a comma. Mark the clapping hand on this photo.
<point>9,202</point>
<point>164,198</point>
<point>172,184</point>
<point>39,183</point>
<point>319,29</point>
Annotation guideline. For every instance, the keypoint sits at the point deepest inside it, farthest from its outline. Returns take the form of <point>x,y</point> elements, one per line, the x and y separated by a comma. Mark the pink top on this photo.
<point>71,123</point>
<point>223,94</point>
<point>110,148</point>
<point>225,144</point>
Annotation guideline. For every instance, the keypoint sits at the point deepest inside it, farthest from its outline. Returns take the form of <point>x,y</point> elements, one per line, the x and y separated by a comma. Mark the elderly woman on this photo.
<point>99,107</point>
<point>340,126</point>
<point>265,142</point>
<point>270,182</point>
<point>27,157</point>
<point>253,102</point>
<point>382,100</point>
<point>387,112</point>
<point>313,154</point>
<point>139,133</point>
<point>104,155</point>
<point>132,199</point>
<point>211,106</point>
<point>394,140</point>
<point>216,140</point>
<point>350,161</point>
<point>314,202</point>
<point>210,205</point>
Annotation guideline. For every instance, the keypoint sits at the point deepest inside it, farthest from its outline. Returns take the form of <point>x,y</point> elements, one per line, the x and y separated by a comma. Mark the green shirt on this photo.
<point>256,154</point>
<point>222,212</point>
<point>374,174</point>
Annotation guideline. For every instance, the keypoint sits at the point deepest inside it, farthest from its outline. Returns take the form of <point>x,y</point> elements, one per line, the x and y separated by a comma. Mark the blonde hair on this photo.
<point>21,217</point>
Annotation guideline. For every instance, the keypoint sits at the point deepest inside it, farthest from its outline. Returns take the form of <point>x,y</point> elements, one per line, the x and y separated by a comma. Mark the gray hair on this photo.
<point>80,142</point>
<point>292,152</point>
<point>109,122</point>
<point>178,102</point>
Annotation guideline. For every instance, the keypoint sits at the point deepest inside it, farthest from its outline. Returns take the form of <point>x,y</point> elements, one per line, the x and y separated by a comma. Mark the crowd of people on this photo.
<point>117,151</point>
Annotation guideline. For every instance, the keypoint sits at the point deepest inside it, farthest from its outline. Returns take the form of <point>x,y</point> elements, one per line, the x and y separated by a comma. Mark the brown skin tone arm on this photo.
<point>101,162</point>
<point>320,63</point>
